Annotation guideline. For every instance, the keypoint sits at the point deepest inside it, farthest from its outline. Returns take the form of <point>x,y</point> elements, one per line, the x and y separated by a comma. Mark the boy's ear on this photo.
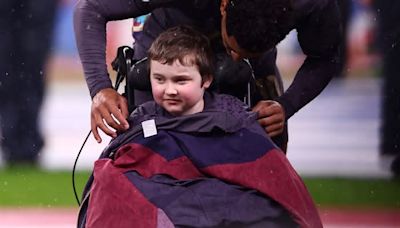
<point>207,79</point>
<point>222,7</point>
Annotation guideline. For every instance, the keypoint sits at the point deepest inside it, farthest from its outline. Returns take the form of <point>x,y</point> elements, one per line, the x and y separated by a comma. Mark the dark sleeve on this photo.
<point>90,18</point>
<point>319,33</point>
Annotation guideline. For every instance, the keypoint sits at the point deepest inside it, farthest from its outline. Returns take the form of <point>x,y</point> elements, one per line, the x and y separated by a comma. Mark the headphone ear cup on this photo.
<point>231,77</point>
<point>139,76</point>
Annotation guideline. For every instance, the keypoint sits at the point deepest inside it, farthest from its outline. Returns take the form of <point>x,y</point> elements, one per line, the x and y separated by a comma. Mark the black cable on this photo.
<point>117,83</point>
<point>121,68</point>
<point>74,168</point>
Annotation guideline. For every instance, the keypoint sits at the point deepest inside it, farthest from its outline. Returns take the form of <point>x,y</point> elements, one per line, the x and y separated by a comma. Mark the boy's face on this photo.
<point>178,88</point>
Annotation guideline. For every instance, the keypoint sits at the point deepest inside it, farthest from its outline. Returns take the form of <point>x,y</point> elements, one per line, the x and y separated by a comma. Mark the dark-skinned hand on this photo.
<point>108,113</point>
<point>271,116</point>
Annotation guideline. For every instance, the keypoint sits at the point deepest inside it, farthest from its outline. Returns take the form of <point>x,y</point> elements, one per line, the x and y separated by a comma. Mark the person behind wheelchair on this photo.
<point>242,29</point>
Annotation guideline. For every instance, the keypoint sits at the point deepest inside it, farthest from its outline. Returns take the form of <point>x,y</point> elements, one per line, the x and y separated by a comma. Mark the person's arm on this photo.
<point>90,18</point>
<point>109,109</point>
<point>319,37</point>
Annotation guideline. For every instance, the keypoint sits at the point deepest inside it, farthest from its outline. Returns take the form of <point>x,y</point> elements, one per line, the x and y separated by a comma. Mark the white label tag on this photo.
<point>149,128</point>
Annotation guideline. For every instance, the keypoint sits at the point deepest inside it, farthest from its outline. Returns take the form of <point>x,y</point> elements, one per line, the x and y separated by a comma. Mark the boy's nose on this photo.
<point>170,89</point>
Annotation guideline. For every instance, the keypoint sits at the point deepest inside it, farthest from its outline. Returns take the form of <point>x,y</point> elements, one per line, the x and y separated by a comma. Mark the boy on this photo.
<point>180,70</point>
<point>193,158</point>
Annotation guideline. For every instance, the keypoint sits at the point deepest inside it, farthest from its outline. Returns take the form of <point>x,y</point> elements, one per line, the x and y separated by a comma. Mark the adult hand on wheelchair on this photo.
<point>109,112</point>
<point>271,116</point>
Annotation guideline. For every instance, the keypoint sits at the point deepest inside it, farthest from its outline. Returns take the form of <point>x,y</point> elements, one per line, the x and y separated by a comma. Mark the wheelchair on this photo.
<point>230,77</point>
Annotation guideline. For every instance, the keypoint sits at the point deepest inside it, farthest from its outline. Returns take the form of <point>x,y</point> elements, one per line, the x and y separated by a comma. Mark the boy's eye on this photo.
<point>181,81</point>
<point>159,79</point>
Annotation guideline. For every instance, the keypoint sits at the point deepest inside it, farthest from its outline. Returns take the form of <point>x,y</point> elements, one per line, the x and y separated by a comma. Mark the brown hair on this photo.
<point>181,42</point>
